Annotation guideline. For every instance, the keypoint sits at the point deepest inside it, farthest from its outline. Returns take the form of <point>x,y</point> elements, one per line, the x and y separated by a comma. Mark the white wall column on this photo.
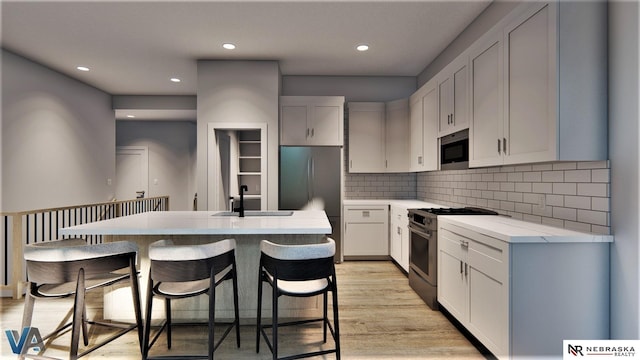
<point>624,153</point>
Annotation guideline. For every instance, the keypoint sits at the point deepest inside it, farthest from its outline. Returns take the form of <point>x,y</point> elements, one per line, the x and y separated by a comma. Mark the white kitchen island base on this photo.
<point>199,227</point>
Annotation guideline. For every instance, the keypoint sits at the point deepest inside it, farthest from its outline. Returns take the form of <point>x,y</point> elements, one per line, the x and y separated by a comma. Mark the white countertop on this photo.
<point>518,231</point>
<point>205,223</point>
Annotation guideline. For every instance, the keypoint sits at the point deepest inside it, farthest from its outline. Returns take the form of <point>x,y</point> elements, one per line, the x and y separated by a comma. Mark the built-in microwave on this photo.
<point>454,151</point>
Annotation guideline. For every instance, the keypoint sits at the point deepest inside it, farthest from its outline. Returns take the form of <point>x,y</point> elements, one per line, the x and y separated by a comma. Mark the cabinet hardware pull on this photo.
<point>308,132</point>
<point>464,244</point>
<point>504,145</point>
<point>498,146</point>
<point>452,119</point>
<point>313,132</point>
<point>420,160</point>
<point>460,266</point>
<point>366,213</point>
<point>466,269</point>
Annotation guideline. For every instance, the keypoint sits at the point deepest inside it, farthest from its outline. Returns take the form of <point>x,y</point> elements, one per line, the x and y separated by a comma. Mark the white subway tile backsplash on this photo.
<point>533,176</point>
<point>564,166</point>
<point>593,217</point>
<point>565,213</point>
<point>577,176</point>
<point>600,204</point>
<point>545,188</point>
<point>600,175</point>
<point>576,194</point>
<point>564,188</point>
<point>552,176</point>
<point>553,200</point>
<point>578,202</point>
<point>592,189</point>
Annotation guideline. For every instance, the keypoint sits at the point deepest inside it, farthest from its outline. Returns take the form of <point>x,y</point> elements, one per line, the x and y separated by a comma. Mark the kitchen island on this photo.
<point>199,227</point>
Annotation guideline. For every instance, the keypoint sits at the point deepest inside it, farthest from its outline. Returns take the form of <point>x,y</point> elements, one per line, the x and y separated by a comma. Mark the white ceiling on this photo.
<point>135,47</point>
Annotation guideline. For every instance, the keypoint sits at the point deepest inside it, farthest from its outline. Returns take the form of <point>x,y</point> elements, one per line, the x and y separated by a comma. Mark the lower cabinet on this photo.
<point>522,299</point>
<point>399,236</point>
<point>366,231</point>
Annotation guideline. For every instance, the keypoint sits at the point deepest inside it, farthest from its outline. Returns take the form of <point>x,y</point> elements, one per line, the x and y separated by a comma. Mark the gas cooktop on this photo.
<point>457,211</point>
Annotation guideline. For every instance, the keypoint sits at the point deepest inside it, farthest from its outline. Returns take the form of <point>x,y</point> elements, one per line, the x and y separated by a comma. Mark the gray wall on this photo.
<point>58,138</point>
<point>172,156</point>
<point>624,153</point>
<point>238,92</point>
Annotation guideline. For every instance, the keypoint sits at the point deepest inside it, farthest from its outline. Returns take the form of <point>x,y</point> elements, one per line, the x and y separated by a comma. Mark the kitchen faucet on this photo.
<point>240,209</point>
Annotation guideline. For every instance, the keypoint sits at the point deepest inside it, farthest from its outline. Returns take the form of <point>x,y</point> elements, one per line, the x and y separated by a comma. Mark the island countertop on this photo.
<point>205,223</point>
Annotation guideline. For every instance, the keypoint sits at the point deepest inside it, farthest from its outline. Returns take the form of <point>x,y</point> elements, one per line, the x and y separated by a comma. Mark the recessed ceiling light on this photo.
<point>362,47</point>
<point>228,46</point>
<point>175,80</point>
<point>82,68</point>
<point>131,116</point>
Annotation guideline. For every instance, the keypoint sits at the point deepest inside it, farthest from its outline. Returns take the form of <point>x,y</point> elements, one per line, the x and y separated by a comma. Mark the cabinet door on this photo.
<point>488,277</point>
<point>530,108</point>
<point>430,130</point>
<point>325,126</point>
<point>452,281</point>
<point>415,119</point>
<point>396,134</point>
<point>366,137</point>
<point>366,231</point>
<point>460,117</point>
<point>485,138</point>
<point>445,94</point>
<point>293,124</point>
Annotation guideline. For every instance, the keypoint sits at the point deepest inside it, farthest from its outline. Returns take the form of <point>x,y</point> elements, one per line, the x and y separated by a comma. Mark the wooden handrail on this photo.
<point>33,225</point>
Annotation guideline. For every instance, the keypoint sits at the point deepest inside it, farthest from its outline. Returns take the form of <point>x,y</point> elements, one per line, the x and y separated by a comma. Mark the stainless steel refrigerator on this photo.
<point>310,178</point>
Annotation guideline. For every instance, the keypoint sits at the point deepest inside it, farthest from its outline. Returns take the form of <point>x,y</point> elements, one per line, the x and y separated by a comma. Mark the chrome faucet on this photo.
<point>240,209</point>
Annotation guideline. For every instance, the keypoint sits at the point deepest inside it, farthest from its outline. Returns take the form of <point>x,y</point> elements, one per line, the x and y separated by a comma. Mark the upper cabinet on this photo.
<point>378,135</point>
<point>538,86</point>
<point>366,137</point>
<point>311,120</point>
<point>453,93</point>
<point>423,108</point>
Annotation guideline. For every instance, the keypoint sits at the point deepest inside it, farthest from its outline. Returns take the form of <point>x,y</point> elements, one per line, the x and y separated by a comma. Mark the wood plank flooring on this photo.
<point>380,318</point>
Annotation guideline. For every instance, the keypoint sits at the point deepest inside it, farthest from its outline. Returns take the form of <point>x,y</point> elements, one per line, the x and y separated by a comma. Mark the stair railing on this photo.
<point>18,229</point>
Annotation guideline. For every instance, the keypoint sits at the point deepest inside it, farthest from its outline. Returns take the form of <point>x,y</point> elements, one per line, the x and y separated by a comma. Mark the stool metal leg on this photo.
<point>147,326</point>
<point>135,293</point>
<point>167,311</point>
<point>78,308</point>
<point>259,317</point>
<point>235,303</point>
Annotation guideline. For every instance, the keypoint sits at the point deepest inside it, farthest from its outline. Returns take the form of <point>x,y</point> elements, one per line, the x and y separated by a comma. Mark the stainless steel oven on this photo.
<point>423,249</point>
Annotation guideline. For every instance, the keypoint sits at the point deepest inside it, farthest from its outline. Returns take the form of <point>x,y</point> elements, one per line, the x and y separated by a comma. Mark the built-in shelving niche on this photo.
<point>240,158</point>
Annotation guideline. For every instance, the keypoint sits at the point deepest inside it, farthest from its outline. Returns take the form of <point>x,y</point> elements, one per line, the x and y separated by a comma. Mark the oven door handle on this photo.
<point>421,233</point>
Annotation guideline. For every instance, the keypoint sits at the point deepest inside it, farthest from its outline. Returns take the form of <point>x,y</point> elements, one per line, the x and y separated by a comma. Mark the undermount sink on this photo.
<point>256,213</point>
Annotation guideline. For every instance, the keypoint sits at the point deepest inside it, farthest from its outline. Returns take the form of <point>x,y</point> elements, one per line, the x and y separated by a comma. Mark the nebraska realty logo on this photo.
<point>601,349</point>
<point>29,338</point>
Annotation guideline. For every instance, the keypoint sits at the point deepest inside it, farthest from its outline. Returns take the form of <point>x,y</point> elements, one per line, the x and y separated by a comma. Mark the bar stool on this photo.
<point>62,268</point>
<point>182,271</point>
<point>299,271</point>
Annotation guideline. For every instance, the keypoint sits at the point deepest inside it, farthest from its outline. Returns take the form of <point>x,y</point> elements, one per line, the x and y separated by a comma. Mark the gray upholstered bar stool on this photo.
<point>62,268</point>
<point>182,271</point>
<point>299,271</point>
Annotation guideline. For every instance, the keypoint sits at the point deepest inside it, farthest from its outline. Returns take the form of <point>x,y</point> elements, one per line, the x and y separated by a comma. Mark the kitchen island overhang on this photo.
<point>199,227</point>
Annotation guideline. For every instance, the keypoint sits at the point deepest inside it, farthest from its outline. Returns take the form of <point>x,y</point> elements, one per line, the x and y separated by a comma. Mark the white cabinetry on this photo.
<point>378,134</point>
<point>453,93</point>
<point>311,120</point>
<point>537,82</point>
<point>397,136</point>
<point>399,236</point>
<point>423,107</point>
<point>366,231</point>
<point>523,297</point>
<point>366,137</point>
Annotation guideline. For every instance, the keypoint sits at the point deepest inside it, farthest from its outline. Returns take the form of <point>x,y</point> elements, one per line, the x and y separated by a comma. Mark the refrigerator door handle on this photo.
<point>308,179</point>
<point>312,179</point>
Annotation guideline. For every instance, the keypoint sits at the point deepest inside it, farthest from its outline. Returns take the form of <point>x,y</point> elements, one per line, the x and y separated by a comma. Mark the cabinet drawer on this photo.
<point>366,215</point>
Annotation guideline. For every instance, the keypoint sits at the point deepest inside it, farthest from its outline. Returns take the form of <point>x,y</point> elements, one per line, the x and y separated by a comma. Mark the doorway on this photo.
<point>132,172</point>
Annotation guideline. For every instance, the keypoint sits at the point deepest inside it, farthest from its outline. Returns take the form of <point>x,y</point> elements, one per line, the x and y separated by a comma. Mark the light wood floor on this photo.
<point>380,318</point>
